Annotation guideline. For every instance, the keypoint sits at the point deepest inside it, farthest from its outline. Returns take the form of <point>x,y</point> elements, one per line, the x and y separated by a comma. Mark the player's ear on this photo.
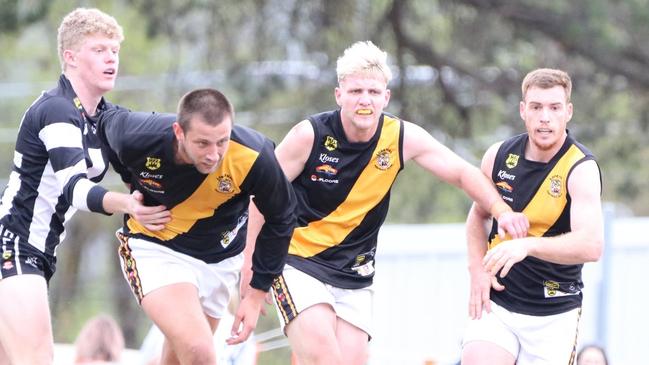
<point>69,57</point>
<point>178,131</point>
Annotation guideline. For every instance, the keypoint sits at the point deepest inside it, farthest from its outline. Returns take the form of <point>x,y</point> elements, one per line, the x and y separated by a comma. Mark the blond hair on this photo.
<point>100,339</point>
<point>83,22</point>
<point>363,58</point>
<point>546,78</point>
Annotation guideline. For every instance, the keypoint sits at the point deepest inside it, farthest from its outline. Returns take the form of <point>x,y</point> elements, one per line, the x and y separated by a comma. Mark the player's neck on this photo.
<point>543,153</point>
<point>89,97</point>
<point>180,157</point>
<point>355,134</point>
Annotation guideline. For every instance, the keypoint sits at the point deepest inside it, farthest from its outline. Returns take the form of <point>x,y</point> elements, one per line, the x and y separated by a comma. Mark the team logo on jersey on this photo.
<point>226,239</point>
<point>224,184</point>
<point>148,175</point>
<point>228,236</point>
<point>325,158</point>
<point>7,254</point>
<point>32,261</point>
<point>503,185</point>
<point>7,265</point>
<point>383,159</point>
<point>556,184</point>
<point>330,143</point>
<point>552,289</point>
<point>504,175</point>
<point>316,178</point>
<point>364,264</point>
<point>152,163</point>
<point>326,169</point>
<point>151,185</point>
<point>512,161</point>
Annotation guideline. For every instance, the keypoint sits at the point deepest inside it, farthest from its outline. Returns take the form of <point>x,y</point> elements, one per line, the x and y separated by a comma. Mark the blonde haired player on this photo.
<point>57,162</point>
<point>342,164</point>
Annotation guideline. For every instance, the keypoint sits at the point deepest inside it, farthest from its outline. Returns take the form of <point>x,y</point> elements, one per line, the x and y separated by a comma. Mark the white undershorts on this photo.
<point>530,339</point>
<point>295,291</point>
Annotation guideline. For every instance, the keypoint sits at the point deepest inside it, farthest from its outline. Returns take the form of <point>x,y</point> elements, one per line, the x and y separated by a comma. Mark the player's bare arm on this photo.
<point>439,160</point>
<point>583,244</point>
<point>291,153</point>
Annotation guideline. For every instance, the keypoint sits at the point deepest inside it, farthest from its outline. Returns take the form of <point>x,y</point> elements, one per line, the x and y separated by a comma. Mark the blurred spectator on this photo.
<point>100,342</point>
<point>592,355</point>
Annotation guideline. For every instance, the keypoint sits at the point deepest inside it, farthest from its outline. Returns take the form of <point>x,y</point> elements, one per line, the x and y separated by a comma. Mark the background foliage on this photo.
<point>459,64</point>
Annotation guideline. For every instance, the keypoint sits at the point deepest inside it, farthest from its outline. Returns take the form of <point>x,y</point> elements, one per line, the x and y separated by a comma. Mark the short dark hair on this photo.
<point>208,104</point>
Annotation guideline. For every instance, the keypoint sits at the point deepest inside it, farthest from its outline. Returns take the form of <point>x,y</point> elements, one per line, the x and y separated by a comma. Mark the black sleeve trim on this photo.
<point>95,200</point>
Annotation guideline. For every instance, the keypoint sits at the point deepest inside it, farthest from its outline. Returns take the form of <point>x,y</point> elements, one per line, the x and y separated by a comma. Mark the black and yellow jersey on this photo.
<point>343,195</point>
<point>540,190</point>
<point>209,212</point>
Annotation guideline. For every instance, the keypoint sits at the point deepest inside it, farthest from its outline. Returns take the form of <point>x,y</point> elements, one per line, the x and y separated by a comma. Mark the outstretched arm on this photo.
<point>440,161</point>
<point>153,218</point>
<point>113,127</point>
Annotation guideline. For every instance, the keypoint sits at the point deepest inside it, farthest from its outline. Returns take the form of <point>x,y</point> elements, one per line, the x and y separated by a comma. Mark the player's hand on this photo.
<point>504,256</point>
<point>245,320</point>
<point>481,283</point>
<point>513,224</point>
<point>244,286</point>
<point>479,296</point>
<point>152,218</point>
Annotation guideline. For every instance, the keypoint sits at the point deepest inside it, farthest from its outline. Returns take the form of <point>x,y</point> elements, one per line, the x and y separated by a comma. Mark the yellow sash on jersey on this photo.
<point>545,208</point>
<point>370,188</point>
<point>217,188</point>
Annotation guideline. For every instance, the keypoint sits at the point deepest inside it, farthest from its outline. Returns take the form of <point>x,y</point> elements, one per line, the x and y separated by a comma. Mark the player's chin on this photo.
<point>365,120</point>
<point>107,85</point>
<point>207,168</point>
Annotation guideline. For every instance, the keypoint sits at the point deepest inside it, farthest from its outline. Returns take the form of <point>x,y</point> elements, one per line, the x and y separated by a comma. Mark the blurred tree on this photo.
<point>15,15</point>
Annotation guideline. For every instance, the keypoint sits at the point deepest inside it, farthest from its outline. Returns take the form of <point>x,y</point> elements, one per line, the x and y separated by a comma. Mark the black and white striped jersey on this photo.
<point>57,160</point>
